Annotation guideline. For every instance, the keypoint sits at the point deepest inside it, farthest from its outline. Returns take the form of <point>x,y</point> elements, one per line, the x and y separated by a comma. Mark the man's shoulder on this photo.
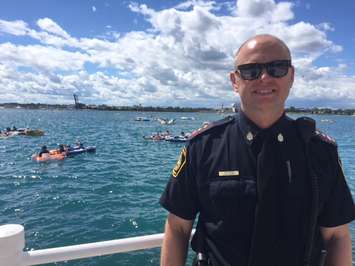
<point>324,138</point>
<point>308,131</point>
<point>211,127</point>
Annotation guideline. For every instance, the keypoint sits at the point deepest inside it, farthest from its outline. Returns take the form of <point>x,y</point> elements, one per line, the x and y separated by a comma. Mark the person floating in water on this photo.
<point>79,145</point>
<point>62,148</point>
<point>43,151</point>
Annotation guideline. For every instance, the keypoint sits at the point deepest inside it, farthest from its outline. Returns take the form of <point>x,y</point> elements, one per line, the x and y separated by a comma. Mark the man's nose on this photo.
<point>264,75</point>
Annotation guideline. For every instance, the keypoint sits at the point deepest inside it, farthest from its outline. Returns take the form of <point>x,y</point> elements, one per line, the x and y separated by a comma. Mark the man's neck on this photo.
<point>264,119</point>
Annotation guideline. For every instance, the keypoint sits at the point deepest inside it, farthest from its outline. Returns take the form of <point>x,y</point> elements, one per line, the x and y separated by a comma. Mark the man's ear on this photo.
<point>293,75</point>
<point>233,79</point>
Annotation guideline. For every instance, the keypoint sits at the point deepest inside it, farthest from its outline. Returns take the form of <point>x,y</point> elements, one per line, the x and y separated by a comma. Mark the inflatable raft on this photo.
<point>49,157</point>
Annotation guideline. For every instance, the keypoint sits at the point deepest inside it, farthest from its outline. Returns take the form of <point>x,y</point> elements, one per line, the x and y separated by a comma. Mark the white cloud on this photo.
<point>41,58</point>
<point>143,9</point>
<point>16,27</point>
<point>93,8</point>
<point>305,38</point>
<point>325,88</point>
<point>52,33</point>
<point>266,9</point>
<point>50,26</point>
<point>208,5</point>
<point>183,58</point>
<point>326,26</point>
<point>283,12</point>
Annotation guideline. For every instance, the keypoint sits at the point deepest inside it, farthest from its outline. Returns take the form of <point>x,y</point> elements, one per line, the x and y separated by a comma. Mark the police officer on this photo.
<point>267,190</point>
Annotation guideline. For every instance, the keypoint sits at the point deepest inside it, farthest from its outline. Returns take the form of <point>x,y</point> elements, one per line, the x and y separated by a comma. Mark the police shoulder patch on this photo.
<point>180,164</point>
<point>209,125</point>
<point>324,137</point>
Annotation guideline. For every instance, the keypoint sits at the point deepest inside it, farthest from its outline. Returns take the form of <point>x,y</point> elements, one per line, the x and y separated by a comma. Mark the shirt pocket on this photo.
<point>233,199</point>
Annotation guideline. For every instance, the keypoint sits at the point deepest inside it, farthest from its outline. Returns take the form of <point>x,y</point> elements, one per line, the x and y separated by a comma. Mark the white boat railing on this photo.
<point>12,243</point>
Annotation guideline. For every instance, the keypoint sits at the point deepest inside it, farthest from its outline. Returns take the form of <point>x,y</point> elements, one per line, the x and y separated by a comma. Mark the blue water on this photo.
<point>113,193</point>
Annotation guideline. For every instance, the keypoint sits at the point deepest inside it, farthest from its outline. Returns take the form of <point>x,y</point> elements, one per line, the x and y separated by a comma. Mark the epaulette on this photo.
<point>306,126</point>
<point>208,126</point>
<point>324,137</point>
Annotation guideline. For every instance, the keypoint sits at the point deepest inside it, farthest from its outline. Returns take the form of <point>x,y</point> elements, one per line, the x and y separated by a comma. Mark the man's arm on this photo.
<point>176,241</point>
<point>338,245</point>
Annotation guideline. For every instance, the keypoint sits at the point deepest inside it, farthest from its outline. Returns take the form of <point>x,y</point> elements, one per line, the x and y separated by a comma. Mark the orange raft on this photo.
<point>55,156</point>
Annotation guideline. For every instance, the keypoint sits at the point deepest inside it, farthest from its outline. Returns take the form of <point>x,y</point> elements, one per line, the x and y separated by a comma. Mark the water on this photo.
<point>111,194</point>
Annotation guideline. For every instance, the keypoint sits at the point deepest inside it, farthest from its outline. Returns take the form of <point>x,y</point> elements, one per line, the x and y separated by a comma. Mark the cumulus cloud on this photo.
<point>182,58</point>
<point>326,26</point>
<point>16,27</point>
<point>41,58</point>
<point>51,34</point>
<point>304,38</point>
<point>267,9</point>
<point>50,26</point>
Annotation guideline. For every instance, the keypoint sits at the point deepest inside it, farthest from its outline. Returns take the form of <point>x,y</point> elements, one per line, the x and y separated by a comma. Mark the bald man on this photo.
<point>268,190</point>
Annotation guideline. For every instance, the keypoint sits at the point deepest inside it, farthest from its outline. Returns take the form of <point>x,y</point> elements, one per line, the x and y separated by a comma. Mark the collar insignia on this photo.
<point>250,136</point>
<point>280,137</point>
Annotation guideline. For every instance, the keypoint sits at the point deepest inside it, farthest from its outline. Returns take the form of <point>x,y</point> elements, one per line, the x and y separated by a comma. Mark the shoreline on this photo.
<point>40,106</point>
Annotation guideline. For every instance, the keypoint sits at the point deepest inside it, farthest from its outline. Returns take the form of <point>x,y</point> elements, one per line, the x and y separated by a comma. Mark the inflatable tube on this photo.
<point>24,132</point>
<point>74,151</point>
<point>177,139</point>
<point>34,132</point>
<point>7,135</point>
<point>154,137</point>
<point>48,157</point>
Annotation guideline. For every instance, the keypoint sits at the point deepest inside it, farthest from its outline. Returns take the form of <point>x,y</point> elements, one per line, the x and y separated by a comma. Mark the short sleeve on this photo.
<point>180,194</point>
<point>339,206</point>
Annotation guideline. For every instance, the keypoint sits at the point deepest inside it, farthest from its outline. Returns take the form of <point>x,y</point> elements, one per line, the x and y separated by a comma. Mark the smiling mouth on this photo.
<point>264,92</point>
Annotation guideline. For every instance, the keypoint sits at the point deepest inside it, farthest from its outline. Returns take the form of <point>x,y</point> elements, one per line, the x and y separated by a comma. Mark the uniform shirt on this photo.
<point>251,190</point>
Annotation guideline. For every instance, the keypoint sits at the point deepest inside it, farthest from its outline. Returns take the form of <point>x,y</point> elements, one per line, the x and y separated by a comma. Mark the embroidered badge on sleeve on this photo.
<point>180,163</point>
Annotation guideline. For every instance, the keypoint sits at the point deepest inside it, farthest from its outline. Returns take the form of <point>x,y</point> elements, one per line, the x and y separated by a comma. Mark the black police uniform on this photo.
<point>253,192</point>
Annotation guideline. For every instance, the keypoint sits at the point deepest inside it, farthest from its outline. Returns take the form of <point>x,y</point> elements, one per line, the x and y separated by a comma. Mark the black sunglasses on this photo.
<point>275,69</point>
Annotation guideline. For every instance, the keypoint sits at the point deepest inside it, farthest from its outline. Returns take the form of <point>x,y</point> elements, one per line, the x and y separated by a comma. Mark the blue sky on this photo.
<point>165,53</point>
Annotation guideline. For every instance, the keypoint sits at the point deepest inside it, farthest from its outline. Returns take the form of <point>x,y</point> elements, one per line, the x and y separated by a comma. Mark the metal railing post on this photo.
<point>12,243</point>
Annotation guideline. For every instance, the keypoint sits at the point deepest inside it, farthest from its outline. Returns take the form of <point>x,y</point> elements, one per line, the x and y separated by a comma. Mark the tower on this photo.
<point>76,100</point>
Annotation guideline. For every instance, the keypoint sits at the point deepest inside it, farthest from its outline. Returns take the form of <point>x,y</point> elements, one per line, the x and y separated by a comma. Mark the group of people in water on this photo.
<point>166,135</point>
<point>61,152</point>
<point>8,131</point>
<point>14,131</point>
<point>62,149</point>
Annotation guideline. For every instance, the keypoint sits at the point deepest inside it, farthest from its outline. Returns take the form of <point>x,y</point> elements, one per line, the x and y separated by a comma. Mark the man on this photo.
<point>268,190</point>
<point>44,150</point>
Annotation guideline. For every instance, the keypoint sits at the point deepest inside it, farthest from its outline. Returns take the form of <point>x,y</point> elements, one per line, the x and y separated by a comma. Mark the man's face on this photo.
<point>266,93</point>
